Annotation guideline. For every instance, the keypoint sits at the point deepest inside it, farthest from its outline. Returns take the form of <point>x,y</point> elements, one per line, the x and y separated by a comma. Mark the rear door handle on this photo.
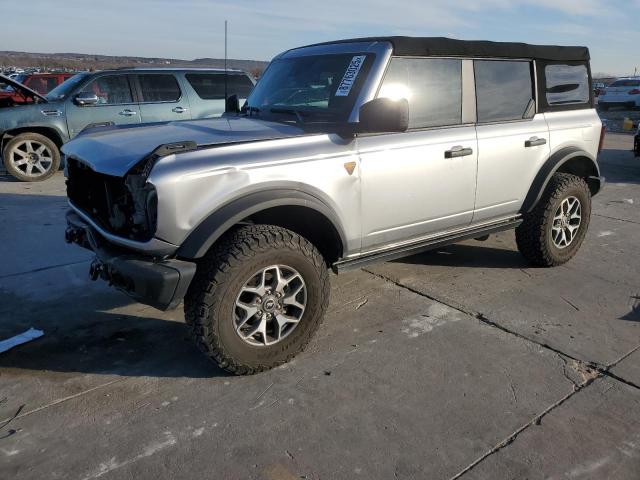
<point>128,113</point>
<point>534,142</point>
<point>180,110</point>
<point>458,151</point>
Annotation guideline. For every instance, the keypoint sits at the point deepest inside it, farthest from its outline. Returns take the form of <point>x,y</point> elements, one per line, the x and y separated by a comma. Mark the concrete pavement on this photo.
<point>459,363</point>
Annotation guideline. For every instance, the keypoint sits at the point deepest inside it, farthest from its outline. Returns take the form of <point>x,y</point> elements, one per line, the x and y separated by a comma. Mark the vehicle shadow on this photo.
<point>111,336</point>
<point>470,255</point>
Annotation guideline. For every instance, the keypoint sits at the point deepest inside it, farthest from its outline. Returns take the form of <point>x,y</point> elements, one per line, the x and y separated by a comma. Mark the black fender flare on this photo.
<point>217,223</point>
<point>551,166</point>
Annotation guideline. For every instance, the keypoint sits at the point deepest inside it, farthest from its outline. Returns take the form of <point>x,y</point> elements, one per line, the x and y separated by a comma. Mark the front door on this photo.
<point>115,105</point>
<point>161,99</point>
<point>422,181</point>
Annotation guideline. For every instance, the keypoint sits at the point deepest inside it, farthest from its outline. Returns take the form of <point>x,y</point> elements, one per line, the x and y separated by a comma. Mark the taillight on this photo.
<point>635,91</point>
<point>603,130</point>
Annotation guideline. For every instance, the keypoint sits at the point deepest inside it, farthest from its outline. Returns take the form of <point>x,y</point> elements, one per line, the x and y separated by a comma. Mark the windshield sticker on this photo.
<point>350,76</point>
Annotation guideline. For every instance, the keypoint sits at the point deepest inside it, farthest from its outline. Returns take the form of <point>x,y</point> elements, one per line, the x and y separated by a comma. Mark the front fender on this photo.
<point>217,223</point>
<point>588,169</point>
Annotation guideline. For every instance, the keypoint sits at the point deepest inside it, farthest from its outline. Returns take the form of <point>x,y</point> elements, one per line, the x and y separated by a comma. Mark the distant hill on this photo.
<point>81,61</point>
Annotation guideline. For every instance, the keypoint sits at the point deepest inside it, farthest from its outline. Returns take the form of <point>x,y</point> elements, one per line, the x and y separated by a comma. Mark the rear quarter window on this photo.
<point>211,86</point>
<point>567,84</point>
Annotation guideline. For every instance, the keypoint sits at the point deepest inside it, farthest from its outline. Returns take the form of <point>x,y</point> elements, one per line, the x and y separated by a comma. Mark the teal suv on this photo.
<point>34,127</point>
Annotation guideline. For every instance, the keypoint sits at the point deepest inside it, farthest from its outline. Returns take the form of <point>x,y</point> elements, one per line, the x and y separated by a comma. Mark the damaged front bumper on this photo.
<point>161,283</point>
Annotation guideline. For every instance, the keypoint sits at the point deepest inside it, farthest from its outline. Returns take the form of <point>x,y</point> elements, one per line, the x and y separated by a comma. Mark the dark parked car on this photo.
<point>31,134</point>
<point>41,83</point>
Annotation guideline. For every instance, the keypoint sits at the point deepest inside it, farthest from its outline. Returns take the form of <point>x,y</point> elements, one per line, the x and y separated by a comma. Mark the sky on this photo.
<point>260,29</point>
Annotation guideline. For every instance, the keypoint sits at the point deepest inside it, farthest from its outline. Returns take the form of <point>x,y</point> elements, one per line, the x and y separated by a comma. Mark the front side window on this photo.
<point>159,88</point>
<point>314,85</point>
<point>504,90</point>
<point>566,84</point>
<point>110,89</point>
<point>432,86</point>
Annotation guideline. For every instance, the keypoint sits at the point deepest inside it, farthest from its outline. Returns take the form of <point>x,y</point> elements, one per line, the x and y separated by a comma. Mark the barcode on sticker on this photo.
<point>350,76</point>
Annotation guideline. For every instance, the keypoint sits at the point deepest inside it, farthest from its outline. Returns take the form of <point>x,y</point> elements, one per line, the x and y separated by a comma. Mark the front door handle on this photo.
<point>534,142</point>
<point>458,151</point>
<point>179,110</point>
<point>128,113</point>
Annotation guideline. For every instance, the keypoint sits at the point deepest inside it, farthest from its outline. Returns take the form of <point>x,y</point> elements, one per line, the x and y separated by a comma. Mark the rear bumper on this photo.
<point>161,283</point>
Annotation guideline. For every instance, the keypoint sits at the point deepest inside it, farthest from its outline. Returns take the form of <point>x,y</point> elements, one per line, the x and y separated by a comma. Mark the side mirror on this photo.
<point>83,99</point>
<point>384,115</point>
<point>232,104</point>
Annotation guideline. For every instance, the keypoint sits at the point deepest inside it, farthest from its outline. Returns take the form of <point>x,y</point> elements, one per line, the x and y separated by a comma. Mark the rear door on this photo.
<point>115,105</point>
<point>161,98</point>
<point>513,141</point>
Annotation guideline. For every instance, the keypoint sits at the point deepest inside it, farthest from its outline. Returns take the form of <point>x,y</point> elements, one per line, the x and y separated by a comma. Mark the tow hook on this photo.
<point>72,235</point>
<point>96,269</point>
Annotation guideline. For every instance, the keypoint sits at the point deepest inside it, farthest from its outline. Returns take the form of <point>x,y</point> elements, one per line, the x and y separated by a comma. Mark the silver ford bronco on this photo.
<point>345,153</point>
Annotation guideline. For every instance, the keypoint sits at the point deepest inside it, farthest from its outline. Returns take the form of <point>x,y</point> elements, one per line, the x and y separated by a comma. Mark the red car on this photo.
<point>41,83</point>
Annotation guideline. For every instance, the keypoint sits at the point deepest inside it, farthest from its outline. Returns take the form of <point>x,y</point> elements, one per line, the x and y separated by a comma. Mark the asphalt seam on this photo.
<point>535,421</point>
<point>62,400</point>
<point>615,218</point>
<point>42,269</point>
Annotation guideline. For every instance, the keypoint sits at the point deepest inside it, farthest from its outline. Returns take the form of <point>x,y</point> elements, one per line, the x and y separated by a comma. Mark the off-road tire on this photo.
<point>16,172</point>
<point>209,303</point>
<point>533,235</point>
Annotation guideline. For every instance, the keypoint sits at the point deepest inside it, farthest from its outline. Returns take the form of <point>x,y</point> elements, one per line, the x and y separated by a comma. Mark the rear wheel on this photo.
<point>551,234</point>
<point>257,298</point>
<point>31,157</point>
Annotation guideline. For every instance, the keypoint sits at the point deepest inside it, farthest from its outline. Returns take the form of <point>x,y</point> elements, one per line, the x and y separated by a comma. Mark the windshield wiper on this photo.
<point>289,111</point>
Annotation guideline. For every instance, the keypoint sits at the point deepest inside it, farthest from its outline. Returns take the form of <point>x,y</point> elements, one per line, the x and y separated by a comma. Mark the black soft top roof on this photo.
<point>449,47</point>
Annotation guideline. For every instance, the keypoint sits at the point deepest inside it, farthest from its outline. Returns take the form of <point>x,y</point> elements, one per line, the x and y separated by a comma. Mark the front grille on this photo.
<point>107,200</point>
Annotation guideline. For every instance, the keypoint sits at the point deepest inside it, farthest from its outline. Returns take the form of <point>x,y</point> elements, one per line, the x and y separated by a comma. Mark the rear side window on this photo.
<point>432,86</point>
<point>159,88</point>
<point>566,84</point>
<point>626,83</point>
<point>504,90</point>
<point>110,89</point>
<point>210,86</point>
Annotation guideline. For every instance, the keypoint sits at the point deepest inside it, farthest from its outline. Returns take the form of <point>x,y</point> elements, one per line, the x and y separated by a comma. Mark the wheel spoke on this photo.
<point>22,161</point>
<point>29,146</point>
<point>19,153</point>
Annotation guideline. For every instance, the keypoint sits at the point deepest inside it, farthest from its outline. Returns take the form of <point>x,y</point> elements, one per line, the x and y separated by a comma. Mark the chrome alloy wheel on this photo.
<point>270,305</point>
<point>31,157</point>
<point>566,222</point>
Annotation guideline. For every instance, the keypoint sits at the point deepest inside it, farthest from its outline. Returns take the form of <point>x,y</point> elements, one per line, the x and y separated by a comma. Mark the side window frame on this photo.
<point>139,97</point>
<point>534,89</point>
<point>467,93</point>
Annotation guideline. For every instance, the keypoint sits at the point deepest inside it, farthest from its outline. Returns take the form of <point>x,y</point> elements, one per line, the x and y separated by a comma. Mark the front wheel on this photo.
<point>257,298</point>
<point>551,234</point>
<point>31,157</point>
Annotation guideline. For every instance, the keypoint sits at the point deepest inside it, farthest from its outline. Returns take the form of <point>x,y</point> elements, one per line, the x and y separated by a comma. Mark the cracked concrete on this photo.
<point>462,363</point>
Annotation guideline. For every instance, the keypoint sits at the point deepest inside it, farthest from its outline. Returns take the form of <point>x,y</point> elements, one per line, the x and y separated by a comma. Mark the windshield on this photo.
<point>323,86</point>
<point>65,88</point>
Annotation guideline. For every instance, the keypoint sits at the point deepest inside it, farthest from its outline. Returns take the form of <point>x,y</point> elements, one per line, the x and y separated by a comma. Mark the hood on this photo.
<point>114,150</point>
<point>19,86</point>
